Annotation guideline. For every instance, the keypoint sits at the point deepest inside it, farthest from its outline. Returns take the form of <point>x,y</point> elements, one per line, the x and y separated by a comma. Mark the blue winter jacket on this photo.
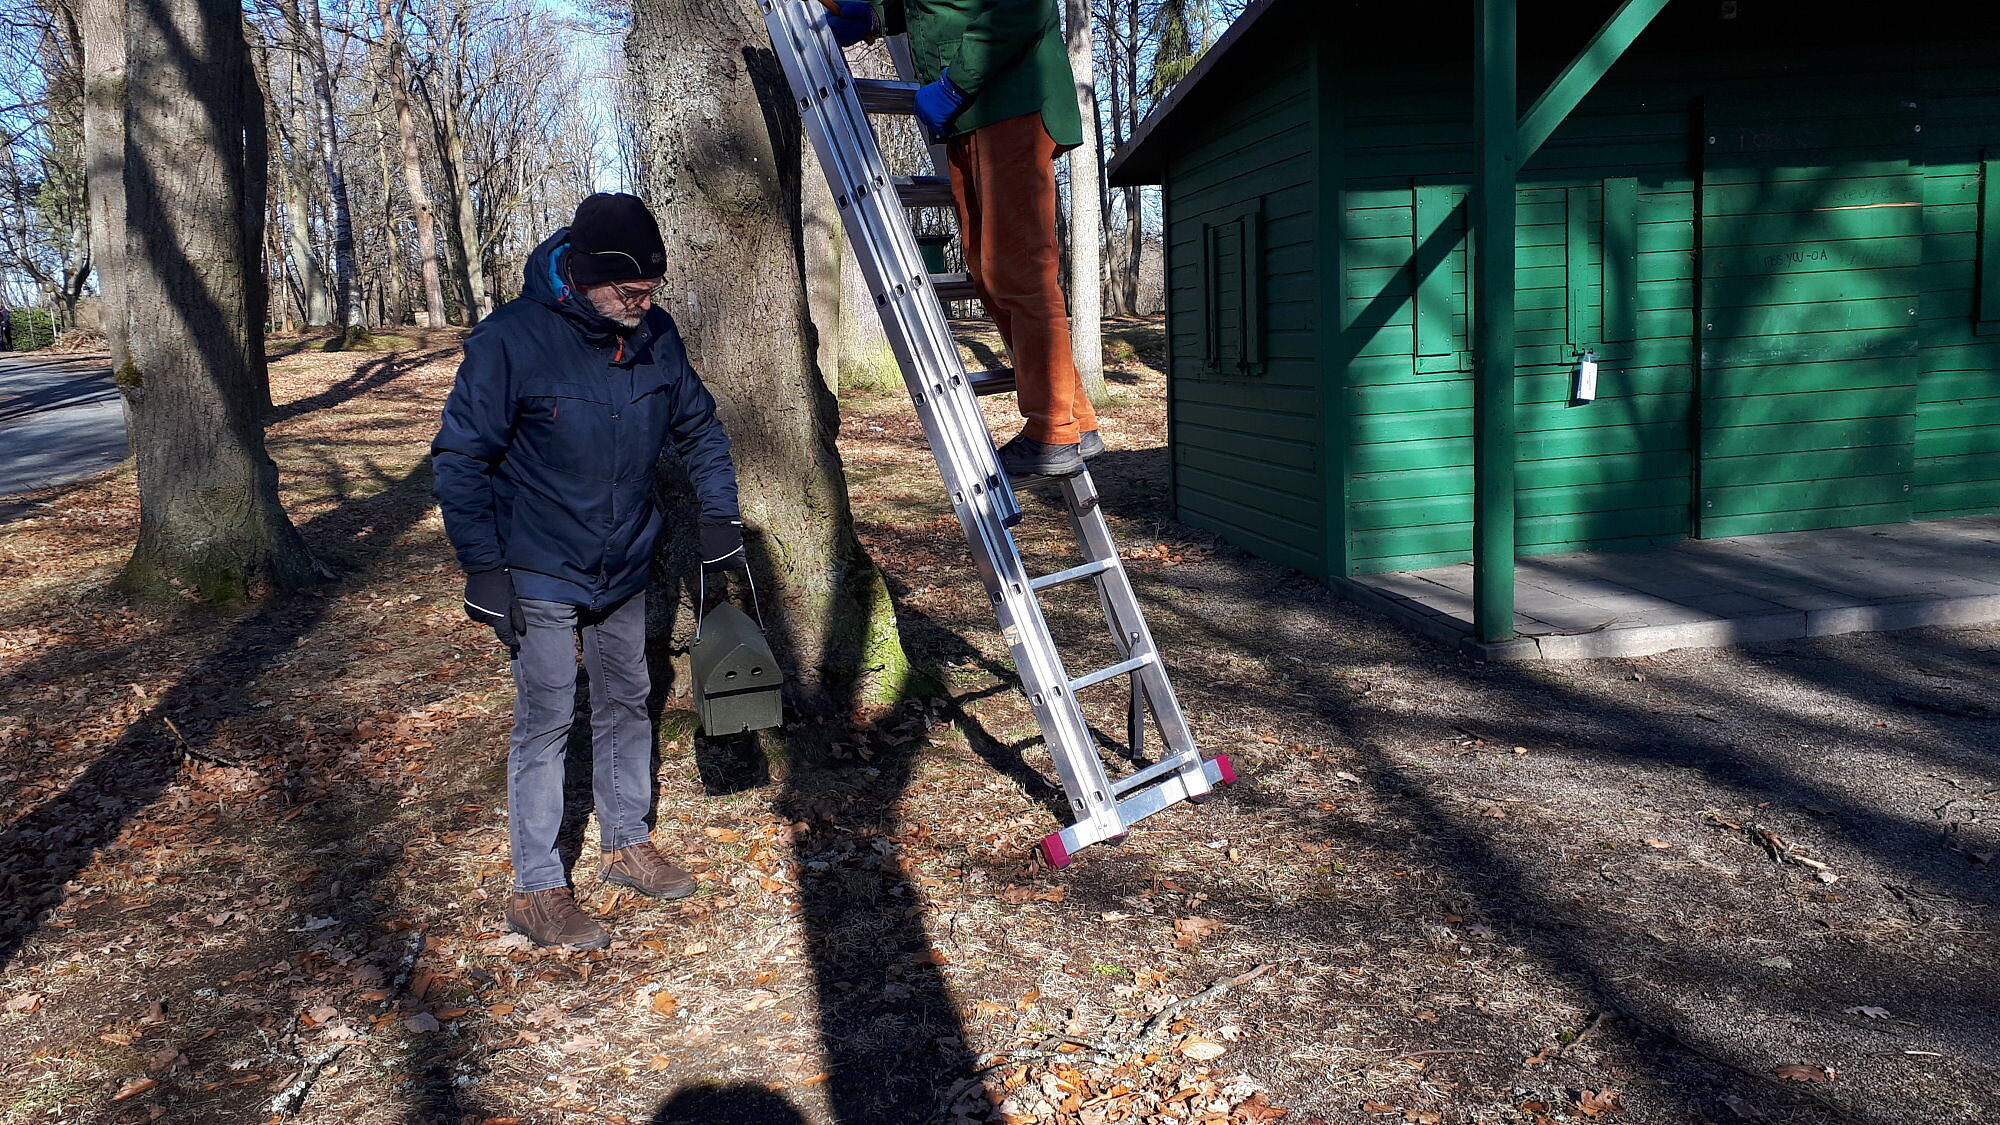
<point>544,462</point>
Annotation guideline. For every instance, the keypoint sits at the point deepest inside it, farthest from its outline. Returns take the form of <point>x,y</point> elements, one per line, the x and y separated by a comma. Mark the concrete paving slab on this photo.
<point>1709,593</point>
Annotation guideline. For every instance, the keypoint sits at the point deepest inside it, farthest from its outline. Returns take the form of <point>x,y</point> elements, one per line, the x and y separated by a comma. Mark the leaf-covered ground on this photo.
<point>256,858</point>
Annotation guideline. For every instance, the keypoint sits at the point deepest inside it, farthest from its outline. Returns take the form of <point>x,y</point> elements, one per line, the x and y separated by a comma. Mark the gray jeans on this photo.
<point>621,733</point>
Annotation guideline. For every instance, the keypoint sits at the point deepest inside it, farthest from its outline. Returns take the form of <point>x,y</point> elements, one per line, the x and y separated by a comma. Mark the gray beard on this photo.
<point>621,321</point>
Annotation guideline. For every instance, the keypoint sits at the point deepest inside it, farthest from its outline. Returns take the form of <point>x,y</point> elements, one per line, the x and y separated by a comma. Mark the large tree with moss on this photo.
<point>720,162</point>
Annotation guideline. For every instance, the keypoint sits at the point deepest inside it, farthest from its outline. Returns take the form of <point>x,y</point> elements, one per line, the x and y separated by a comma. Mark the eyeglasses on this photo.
<point>632,294</point>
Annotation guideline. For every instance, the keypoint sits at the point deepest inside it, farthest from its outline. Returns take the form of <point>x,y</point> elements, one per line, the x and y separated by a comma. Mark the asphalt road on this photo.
<point>60,420</point>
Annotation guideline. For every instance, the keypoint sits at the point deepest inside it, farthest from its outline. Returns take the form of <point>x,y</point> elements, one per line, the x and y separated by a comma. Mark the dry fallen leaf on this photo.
<point>1805,1072</point>
<point>1202,1050</point>
<point>134,1088</point>
<point>1652,843</point>
<point>1372,1106</point>
<point>422,1021</point>
<point>1188,932</point>
<point>694,949</point>
<point>663,1003</point>
<point>1600,1103</point>
<point>27,1002</point>
<point>1255,1110</point>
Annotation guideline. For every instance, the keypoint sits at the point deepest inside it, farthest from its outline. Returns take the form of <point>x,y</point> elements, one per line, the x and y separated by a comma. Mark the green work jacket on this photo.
<point>1007,55</point>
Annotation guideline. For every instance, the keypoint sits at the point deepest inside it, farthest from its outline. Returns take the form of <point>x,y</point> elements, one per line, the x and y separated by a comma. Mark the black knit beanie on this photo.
<point>614,238</point>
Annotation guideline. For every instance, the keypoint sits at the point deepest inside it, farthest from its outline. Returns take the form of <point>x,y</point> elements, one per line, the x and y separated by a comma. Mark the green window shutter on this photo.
<point>1577,270</point>
<point>1438,241</point>
<point>1988,310</point>
<point>1619,288</point>
<point>1232,322</point>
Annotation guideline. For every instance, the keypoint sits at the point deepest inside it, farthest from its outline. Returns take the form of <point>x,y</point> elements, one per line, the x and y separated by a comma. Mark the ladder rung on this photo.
<point>1070,575</point>
<point>1103,674</point>
<point>1174,764</point>
<point>924,191</point>
<point>996,382</point>
<point>882,95</point>
<point>954,287</point>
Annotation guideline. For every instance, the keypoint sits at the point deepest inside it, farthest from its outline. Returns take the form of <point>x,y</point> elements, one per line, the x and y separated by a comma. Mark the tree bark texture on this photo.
<point>104,149</point>
<point>721,166</point>
<point>825,246</point>
<point>1086,223</point>
<point>413,169</point>
<point>209,517</point>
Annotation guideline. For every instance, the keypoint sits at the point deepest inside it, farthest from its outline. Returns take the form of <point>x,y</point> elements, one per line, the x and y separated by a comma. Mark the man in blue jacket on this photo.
<point>544,471</point>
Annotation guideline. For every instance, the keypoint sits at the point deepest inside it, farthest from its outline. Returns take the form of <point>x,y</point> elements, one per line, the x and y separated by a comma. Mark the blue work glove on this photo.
<point>854,22</point>
<point>938,103</point>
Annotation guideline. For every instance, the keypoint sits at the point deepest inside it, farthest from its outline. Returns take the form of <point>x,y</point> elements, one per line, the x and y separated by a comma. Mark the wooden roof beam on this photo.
<point>1583,72</point>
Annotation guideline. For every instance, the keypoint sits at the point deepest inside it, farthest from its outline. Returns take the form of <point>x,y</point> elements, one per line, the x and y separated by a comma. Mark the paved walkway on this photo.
<point>1711,592</point>
<point>60,420</point>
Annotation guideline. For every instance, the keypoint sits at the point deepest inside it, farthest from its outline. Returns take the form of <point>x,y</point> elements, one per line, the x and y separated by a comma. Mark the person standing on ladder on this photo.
<point>999,92</point>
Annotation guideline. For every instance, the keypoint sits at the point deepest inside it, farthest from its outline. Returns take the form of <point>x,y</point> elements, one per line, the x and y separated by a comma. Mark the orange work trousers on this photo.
<point>1003,179</point>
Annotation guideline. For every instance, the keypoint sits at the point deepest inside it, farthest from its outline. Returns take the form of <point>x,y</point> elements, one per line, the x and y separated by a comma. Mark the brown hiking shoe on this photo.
<point>642,868</point>
<point>552,917</point>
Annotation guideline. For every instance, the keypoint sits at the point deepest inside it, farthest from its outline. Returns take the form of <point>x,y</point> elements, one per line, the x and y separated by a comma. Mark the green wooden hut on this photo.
<point>1773,226</point>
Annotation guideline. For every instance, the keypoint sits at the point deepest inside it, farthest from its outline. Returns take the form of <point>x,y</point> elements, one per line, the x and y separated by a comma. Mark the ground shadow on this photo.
<point>727,1105</point>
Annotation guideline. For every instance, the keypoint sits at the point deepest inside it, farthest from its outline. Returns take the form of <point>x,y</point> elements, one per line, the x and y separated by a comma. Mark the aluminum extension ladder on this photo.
<point>834,105</point>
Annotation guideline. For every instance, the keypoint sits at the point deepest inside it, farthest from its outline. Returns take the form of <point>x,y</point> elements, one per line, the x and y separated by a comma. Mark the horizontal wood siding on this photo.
<point>1827,178</point>
<point>1957,427</point>
<point>1609,473</point>
<point>1246,445</point>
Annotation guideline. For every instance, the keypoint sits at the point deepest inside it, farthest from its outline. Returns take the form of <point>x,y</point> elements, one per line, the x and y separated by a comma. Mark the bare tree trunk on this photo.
<point>314,297</point>
<point>209,516</point>
<point>413,168</point>
<point>472,262</point>
<point>1086,296</point>
<point>1114,288</point>
<point>104,148</point>
<point>396,309</point>
<point>346,277</point>
<point>281,296</point>
<point>721,163</point>
<point>1128,299</point>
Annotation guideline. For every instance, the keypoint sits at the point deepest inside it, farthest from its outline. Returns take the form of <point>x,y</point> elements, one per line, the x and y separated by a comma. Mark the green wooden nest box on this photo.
<point>737,684</point>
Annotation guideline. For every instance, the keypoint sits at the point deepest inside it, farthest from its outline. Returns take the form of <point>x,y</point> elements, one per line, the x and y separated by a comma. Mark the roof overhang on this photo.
<point>1142,160</point>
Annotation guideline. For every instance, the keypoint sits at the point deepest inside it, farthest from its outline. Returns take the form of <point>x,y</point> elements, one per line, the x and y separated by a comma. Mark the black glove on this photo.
<point>722,547</point>
<point>489,600</point>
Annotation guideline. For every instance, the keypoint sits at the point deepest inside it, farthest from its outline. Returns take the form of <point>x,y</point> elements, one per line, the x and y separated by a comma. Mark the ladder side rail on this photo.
<point>853,163</point>
<point>1116,592</point>
<point>903,308</point>
<point>875,219</point>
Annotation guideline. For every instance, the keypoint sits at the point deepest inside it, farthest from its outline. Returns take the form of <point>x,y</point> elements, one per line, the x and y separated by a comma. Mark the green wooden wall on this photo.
<point>1957,425</point>
<point>1797,323</point>
<point>1788,335</point>
<point>1615,472</point>
<point>1242,315</point>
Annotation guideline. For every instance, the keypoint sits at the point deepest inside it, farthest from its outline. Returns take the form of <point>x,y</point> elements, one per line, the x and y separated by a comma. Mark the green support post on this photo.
<point>1496,167</point>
